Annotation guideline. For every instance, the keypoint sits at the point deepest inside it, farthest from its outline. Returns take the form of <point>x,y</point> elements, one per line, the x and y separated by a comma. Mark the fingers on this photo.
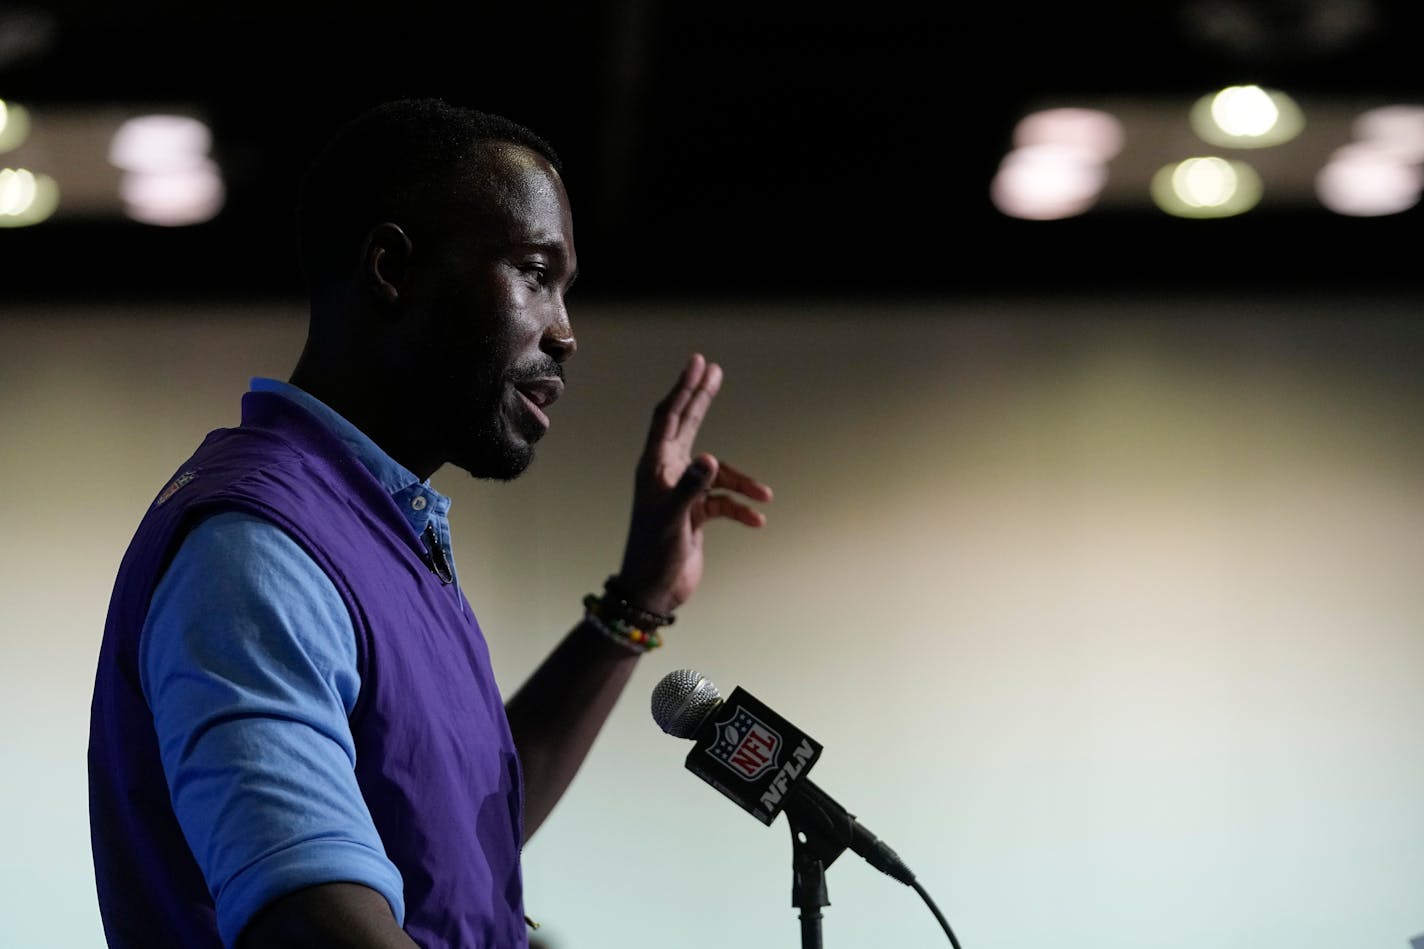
<point>679,415</point>
<point>667,416</point>
<point>724,506</point>
<point>724,478</point>
<point>731,479</point>
<point>676,422</point>
<point>694,493</point>
<point>695,411</point>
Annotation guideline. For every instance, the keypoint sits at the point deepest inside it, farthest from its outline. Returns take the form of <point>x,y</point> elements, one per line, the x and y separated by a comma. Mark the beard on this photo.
<point>498,443</point>
<point>496,454</point>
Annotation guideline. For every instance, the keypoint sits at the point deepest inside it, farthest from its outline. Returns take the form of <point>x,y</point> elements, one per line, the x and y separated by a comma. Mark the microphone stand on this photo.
<point>817,839</point>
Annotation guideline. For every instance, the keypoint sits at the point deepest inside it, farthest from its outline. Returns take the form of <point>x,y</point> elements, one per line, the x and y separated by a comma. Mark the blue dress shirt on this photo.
<point>267,797</point>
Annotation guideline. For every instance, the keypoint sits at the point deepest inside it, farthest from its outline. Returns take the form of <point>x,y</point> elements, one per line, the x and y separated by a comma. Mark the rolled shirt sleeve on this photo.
<point>248,662</point>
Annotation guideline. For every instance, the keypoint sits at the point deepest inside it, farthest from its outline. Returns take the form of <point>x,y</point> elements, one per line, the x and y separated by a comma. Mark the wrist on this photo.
<point>653,607</point>
<point>635,631</point>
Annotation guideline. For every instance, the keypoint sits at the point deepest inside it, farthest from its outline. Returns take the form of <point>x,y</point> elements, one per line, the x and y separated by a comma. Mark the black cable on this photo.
<point>944,923</point>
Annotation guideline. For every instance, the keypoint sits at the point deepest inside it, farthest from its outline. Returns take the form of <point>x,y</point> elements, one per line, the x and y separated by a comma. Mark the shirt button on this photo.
<point>418,503</point>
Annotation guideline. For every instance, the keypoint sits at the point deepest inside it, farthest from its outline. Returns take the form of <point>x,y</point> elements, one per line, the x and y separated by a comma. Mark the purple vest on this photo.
<point>434,757</point>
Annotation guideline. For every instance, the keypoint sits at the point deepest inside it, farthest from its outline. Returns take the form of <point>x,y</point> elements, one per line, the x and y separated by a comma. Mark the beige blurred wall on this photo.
<point>1108,613</point>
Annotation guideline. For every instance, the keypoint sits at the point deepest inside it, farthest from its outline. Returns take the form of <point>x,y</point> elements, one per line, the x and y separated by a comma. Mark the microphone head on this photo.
<point>682,701</point>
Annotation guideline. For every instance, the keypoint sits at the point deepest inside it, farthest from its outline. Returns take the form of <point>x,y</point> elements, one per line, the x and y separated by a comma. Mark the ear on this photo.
<point>385,264</point>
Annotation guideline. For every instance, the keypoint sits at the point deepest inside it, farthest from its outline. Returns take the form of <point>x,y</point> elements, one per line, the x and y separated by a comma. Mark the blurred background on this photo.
<point>775,148</point>
<point>1081,343</point>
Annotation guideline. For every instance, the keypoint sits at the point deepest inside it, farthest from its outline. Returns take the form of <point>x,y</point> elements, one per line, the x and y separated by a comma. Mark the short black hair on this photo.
<point>387,163</point>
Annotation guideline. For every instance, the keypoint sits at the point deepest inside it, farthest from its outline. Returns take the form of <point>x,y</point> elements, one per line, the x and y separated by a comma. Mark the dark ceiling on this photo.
<point>728,149</point>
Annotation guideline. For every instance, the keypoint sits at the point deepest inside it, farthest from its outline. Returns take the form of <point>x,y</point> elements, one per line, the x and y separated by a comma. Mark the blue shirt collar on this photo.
<point>417,499</point>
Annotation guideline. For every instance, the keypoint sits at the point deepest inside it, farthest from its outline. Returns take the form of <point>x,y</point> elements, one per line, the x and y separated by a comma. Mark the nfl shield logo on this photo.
<point>746,745</point>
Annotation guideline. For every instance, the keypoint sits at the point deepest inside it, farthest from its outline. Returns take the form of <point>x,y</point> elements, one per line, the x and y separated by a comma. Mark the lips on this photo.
<point>540,394</point>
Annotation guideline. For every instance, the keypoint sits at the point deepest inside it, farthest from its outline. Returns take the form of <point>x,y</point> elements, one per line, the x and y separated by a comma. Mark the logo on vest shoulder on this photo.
<point>173,486</point>
<point>746,745</point>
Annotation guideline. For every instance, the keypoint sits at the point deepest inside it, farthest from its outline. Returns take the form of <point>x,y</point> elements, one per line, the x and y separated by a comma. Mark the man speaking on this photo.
<point>296,736</point>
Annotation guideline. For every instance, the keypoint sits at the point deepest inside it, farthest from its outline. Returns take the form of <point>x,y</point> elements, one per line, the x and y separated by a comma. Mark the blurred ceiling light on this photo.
<point>17,190</point>
<point>160,143</point>
<point>1246,117</point>
<point>169,179</point>
<point>1207,187</point>
<point>14,125</point>
<point>173,198</point>
<point>1399,129</point>
<point>1096,132</point>
<point>1364,179</point>
<point>1047,182</point>
<point>25,197</point>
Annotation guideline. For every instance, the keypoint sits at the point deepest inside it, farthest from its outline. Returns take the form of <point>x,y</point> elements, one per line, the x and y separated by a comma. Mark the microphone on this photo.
<point>759,760</point>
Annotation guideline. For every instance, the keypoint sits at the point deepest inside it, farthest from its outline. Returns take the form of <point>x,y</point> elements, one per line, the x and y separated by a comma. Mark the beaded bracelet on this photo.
<point>645,619</point>
<point>617,628</point>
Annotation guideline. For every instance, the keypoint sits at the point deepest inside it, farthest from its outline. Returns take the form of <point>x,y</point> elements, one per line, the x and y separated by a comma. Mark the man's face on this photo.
<point>498,330</point>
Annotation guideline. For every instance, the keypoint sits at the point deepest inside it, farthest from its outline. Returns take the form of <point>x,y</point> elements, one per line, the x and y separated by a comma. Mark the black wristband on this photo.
<point>616,602</point>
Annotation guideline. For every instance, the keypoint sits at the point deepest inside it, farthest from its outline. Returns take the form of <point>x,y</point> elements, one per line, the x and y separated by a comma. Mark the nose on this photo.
<point>558,340</point>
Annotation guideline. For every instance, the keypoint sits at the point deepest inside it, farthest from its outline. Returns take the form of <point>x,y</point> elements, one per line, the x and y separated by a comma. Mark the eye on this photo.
<point>537,272</point>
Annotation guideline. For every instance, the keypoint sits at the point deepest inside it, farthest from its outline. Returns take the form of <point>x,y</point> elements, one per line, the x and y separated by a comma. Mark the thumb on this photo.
<point>696,479</point>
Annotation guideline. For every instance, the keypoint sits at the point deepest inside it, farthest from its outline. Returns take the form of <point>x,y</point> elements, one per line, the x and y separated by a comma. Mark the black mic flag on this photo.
<point>751,754</point>
<point>760,760</point>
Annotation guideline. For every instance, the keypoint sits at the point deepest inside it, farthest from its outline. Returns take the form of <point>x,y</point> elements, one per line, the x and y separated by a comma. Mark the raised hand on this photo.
<point>677,492</point>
